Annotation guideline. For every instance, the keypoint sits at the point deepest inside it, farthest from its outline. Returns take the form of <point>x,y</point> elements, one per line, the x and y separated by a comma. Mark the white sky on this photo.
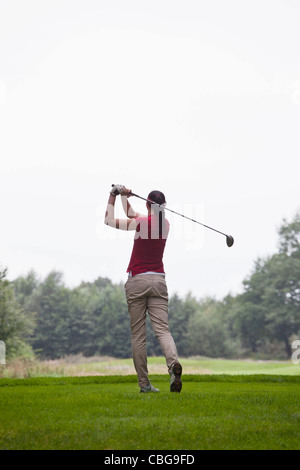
<point>198,99</point>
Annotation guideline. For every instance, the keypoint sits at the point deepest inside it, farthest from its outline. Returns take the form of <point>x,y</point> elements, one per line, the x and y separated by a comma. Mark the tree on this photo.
<point>270,305</point>
<point>85,306</point>
<point>114,332</point>
<point>249,321</point>
<point>24,286</point>
<point>180,312</point>
<point>282,295</point>
<point>282,298</point>
<point>16,326</point>
<point>51,300</point>
<point>208,331</point>
<point>289,233</point>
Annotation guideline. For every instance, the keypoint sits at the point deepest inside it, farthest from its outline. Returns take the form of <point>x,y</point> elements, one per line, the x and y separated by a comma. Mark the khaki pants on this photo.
<point>148,292</point>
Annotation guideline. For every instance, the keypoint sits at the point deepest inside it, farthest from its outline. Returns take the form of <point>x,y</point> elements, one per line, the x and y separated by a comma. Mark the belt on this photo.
<point>147,272</point>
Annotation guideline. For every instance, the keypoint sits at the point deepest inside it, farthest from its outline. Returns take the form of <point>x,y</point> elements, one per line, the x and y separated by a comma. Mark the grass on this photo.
<point>80,366</point>
<point>77,403</point>
<point>108,413</point>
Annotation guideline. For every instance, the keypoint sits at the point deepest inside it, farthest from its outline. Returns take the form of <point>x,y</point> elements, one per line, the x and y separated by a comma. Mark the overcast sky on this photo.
<point>199,99</point>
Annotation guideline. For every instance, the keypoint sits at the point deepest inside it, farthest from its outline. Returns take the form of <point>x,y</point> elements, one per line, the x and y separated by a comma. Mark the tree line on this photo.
<point>50,320</point>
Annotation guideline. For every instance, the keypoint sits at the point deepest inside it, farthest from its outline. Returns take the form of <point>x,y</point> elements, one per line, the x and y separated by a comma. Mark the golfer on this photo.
<point>146,288</point>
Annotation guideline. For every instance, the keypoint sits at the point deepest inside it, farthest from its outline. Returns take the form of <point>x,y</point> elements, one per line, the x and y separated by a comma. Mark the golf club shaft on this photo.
<point>229,238</point>
<point>181,215</point>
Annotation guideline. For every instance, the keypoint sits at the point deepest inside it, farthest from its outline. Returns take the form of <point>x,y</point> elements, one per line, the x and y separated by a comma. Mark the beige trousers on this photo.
<point>148,292</point>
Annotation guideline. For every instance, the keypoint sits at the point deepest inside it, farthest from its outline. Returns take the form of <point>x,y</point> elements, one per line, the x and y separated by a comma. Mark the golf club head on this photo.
<point>229,240</point>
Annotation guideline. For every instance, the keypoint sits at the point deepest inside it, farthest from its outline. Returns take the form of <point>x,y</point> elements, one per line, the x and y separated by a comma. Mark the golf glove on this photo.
<point>119,189</point>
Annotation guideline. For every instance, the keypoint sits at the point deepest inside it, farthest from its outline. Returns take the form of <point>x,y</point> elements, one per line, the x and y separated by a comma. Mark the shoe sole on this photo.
<point>176,386</point>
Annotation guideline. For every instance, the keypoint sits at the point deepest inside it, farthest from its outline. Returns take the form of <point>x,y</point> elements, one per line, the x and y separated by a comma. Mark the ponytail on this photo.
<point>158,198</point>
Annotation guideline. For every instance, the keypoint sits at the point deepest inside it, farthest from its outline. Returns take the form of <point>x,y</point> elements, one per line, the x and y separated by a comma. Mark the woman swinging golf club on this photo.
<point>146,288</point>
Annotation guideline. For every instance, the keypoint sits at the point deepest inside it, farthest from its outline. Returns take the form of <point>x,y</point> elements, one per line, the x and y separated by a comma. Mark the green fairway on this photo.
<point>212,412</point>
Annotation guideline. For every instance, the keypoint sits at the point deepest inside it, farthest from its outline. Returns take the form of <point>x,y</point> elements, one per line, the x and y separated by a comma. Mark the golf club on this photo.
<point>229,238</point>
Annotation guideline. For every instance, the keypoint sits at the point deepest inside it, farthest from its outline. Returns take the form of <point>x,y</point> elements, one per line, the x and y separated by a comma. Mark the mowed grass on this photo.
<point>211,412</point>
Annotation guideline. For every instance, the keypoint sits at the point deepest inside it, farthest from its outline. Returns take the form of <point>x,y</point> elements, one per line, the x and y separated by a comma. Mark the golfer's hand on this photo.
<point>120,189</point>
<point>126,192</point>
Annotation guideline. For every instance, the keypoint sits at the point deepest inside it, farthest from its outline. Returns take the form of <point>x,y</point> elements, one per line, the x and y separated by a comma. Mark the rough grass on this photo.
<point>81,366</point>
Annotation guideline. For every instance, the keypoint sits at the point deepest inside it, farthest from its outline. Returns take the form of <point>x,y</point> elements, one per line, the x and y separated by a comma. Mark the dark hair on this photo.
<point>157,196</point>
